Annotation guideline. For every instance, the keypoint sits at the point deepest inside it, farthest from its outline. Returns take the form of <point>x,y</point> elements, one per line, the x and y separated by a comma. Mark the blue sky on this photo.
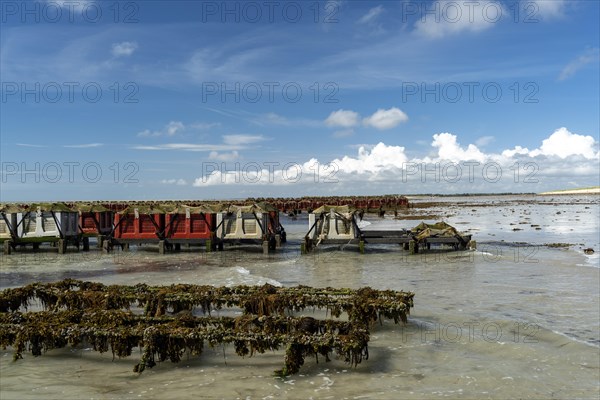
<point>191,99</point>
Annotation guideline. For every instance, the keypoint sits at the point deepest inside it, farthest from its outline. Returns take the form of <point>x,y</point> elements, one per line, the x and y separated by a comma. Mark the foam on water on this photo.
<point>245,277</point>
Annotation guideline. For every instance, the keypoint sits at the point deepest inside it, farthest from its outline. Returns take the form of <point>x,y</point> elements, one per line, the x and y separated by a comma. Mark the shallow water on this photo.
<point>513,319</point>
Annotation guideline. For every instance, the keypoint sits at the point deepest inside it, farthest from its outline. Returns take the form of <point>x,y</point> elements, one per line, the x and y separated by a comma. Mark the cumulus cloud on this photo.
<point>342,118</point>
<point>452,17</point>
<point>563,144</point>
<point>562,158</point>
<point>380,157</point>
<point>386,119</point>
<point>450,149</point>
<point>518,150</point>
<point>124,49</point>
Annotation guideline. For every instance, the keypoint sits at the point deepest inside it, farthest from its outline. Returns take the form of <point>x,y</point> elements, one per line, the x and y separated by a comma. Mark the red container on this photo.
<point>96,222</point>
<point>197,226</point>
<point>147,226</point>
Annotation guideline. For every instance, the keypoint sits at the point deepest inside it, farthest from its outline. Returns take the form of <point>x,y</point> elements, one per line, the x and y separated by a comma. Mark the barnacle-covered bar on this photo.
<point>166,321</point>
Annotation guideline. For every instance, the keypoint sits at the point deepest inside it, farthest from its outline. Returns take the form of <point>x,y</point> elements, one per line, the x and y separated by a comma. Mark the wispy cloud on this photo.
<point>31,145</point>
<point>484,141</point>
<point>448,20</point>
<point>272,118</point>
<point>232,156</point>
<point>588,57</point>
<point>169,130</point>
<point>179,182</point>
<point>83,146</point>
<point>343,133</point>
<point>242,140</point>
<point>549,8</point>
<point>371,15</point>
<point>188,147</point>
<point>124,49</point>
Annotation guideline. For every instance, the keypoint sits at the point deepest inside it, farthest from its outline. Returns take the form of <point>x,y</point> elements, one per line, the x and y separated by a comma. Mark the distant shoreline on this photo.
<point>590,190</point>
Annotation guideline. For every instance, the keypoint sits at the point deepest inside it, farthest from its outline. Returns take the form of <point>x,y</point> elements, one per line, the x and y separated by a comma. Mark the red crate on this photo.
<point>197,226</point>
<point>147,226</point>
<point>96,222</point>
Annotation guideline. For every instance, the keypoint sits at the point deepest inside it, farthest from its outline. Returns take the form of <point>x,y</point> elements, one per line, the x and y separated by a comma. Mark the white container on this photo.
<point>5,228</point>
<point>47,223</point>
<point>332,223</point>
<point>242,222</point>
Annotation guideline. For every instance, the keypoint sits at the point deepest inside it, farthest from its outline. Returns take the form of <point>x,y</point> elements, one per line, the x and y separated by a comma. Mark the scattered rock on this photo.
<point>589,250</point>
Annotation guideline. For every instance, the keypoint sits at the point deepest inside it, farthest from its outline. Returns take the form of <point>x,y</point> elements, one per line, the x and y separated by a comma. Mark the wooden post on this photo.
<point>106,245</point>
<point>265,246</point>
<point>62,246</point>
<point>99,242</point>
<point>7,247</point>
<point>161,247</point>
<point>208,245</point>
<point>278,240</point>
<point>361,247</point>
<point>413,247</point>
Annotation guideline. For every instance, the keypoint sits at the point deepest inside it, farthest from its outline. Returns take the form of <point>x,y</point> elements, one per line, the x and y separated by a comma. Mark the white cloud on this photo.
<point>484,141</point>
<point>179,182</point>
<point>380,157</point>
<point>518,150</point>
<point>124,49</point>
<point>386,119</point>
<point>205,125</point>
<point>83,146</point>
<point>386,168</point>
<point>240,140</point>
<point>451,17</point>
<point>547,8</point>
<point>371,15</point>
<point>272,118</point>
<point>171,129</point>
<point>563,144</point>
<point>590,56</point>
<point>449,149</point>
<point>188,147</point>
<point>31,145</point>
<point>214,155</point>
<point>342,118</point>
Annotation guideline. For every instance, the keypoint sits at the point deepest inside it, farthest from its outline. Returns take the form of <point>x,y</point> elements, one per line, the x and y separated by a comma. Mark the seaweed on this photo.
<point>164,326</point>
